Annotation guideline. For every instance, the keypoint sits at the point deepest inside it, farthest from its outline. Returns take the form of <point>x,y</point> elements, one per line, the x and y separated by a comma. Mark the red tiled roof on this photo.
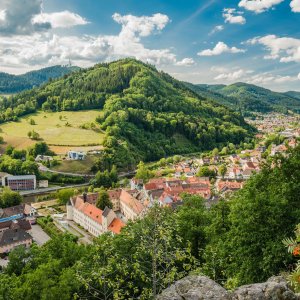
<point>116,225</point>
<point>131,202</point>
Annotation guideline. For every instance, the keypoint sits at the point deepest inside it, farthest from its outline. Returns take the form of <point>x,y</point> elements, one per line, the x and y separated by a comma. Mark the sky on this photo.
<point>200,41</point>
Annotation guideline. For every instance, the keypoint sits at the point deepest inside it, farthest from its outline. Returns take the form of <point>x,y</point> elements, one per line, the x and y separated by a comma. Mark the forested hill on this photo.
<point>147,114</point>
<point>248,97</point>
<point>10,84</point>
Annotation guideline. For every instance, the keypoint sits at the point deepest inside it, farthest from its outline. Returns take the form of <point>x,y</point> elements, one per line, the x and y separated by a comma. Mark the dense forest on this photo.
<point>235,242</point>
<point>147,114</point>
<point>10,84</point>
<point>248,97</point>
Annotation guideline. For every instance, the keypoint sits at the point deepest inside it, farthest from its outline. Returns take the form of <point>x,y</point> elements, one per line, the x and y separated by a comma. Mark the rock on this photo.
<point>275,288</point>
<point>195,288</point>
<point>203,288</point>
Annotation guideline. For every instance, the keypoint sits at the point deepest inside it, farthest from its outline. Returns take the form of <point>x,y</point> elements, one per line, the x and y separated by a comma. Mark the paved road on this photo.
<point>51,189</point>
<point>39,235</point>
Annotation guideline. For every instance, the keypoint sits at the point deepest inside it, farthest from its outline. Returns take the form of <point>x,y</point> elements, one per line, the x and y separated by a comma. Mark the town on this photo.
<point>212,175</point>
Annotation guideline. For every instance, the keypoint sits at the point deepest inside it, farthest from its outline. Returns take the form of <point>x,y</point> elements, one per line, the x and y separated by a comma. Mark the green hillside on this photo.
<point>249,97</point>
<point>144,112</point>
<point>10,84</point>
<point>293,94</point>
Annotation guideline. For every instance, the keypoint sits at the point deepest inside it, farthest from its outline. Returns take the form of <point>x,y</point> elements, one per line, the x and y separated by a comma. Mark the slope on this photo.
<point>144,112</point>
<point>250,97</point>
<point>16,83</point>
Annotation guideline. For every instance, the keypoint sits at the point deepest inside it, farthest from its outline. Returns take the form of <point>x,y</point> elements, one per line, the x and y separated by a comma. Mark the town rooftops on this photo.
<point>131,202</point>
<point>116,225</point>
<point>12,236</point>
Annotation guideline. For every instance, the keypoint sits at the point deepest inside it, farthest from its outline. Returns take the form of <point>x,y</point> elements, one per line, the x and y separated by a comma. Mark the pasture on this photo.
<point>58,129</point>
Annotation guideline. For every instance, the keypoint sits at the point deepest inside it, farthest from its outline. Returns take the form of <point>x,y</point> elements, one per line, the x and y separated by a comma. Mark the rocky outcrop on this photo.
<point>203,288</point>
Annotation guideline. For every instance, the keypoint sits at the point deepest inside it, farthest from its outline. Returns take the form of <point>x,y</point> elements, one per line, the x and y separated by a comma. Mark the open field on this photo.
<point>76,166</point>
<point>56,129</point>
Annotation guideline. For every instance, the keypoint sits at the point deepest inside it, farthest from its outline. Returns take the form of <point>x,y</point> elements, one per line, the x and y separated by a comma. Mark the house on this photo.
<point>130,207</point>
<point>43,158</point>
<point>16,212</point>
<point>82,210</point>
<point>43,183</point>
<point>20,183</point>
<point>234,173</point>
<point>3,175</point>
<point>12,238</point>
<point>15,224</point>
<point>205,161</point>
<point>76,155</point>
<point>225,187</point>
<point>136,184</point>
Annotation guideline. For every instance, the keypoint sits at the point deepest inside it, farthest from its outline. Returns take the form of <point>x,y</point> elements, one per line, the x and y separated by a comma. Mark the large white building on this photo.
<point>83,211</point>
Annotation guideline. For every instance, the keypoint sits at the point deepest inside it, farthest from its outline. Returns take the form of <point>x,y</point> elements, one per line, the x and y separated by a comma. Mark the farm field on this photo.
<point>76,166</point>
<point>58,129</point>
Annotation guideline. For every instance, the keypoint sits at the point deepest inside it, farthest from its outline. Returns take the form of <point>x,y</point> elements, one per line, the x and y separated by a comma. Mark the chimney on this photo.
<point>84,197</point>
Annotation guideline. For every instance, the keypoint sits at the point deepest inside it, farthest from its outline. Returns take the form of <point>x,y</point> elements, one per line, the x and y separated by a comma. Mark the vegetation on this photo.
<point>237,241</point>
<point>144,173</point>
<point>51,127</point>
<point>105,179</point>
<point>249,98</point>
<point>103,200</point>
<point>64,195</point>
<point>10,84</point>
<point>146,114</point>
<point>9,198</point>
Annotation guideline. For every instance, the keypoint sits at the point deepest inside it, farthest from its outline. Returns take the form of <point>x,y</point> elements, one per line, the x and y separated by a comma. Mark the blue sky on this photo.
<point>255,41</point>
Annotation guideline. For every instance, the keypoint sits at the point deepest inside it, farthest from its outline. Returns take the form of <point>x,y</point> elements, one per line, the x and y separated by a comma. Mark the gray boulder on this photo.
<point>203,288</point>
<point>195,288</point>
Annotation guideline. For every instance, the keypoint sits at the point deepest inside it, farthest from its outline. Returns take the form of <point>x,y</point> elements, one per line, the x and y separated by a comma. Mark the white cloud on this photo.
<point>186,62</point>
<point>299,76</point>
<point>249,76</point>
<point>40,49</point>
<point>217,28</point>
<point>285,49</point>
<point>63,19</point>
<point>232,16</point>
<point>295,5</point>
<point>16,17</point>
<point>259,6</point>
<point>219,49</point>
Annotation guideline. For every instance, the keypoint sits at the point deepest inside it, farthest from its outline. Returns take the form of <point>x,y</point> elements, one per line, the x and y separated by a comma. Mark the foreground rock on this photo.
<point>203,288</point>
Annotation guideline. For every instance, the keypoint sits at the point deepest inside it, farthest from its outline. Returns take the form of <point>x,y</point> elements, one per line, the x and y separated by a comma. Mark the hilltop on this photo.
<point>10,84</point>
<point>146,113</point>
<point>248,97</point>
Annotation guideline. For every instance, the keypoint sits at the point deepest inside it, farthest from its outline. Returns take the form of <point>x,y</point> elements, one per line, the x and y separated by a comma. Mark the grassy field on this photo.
<point>76,166</point>
<point>56,129</point>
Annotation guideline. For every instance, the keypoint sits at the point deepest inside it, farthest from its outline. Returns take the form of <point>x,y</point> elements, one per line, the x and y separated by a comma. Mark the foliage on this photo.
<point>64,195</point>
<point>206,172</point>
<point>248,97</point>
<point>9,198</point>
<point>145,111</point>
<point>103,200</point>
<point>293,246</point>
<point>143,172</point>
<point>16,83</point>
<point>146,257</point>
<point>261,215</point>
<point>106,179</point>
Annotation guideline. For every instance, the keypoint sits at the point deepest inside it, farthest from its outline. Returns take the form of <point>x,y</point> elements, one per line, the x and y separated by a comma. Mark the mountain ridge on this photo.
<point>10,83</point>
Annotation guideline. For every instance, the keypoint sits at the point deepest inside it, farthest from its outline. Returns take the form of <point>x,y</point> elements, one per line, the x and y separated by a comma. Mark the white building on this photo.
<point>82,210</point>
<point>76,155</point>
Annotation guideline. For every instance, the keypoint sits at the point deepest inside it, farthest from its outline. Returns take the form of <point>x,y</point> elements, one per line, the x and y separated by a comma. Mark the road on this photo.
<point>51,189</point>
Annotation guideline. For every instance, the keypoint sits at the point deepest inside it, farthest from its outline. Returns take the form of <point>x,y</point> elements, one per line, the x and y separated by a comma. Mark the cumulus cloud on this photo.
<point>219,49</point>
<point>249,76</point>
<point>26,18</point>
<point>17,19</point>
<point>295,6</point>
<point>186,62</point>
<point>49,48</point>
<point>232,16</point>
<point>259,6</point>
<point>285,49</point>
<point>63,19</point>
